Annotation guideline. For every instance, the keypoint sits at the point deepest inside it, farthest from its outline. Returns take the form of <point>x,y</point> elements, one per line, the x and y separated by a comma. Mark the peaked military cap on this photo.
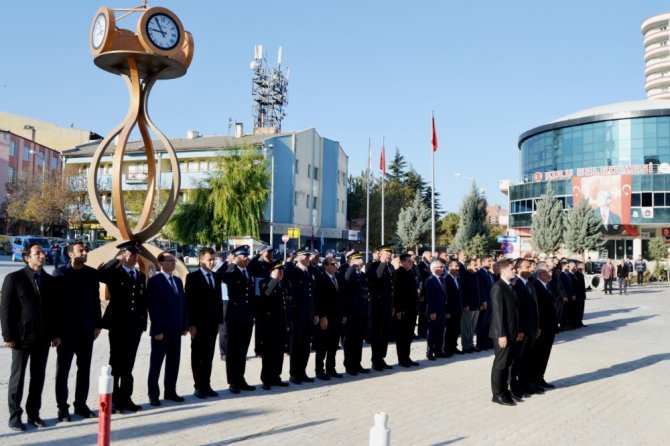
<point>304,251</point>
<point>277,264</point>
<point>242,250</point>
<point>132,246</point>
<point>387,247</point>
<point>269,249</point>
<point>354,254</point>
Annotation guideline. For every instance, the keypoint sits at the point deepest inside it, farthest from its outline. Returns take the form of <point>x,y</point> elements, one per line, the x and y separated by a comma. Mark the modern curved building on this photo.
<point>615,156</point>
<point>657,56</point>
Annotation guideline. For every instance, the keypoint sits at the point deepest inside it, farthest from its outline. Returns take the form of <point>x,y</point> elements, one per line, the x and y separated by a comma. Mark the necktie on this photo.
<point>210,281</point>
<point>334,281</point>
<point>174,285</point>
<point>246,274</point>
<point>132,274</point>
<point>530,290</point>
<point>38,279</point>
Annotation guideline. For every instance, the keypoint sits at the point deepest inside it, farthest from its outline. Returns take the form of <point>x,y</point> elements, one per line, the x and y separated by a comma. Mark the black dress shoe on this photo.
<point>266,386</point>
<point>212,392</point>
<point>117,408</point>
<point>132,407</point>
<point>405,364</point>
<point>545,384</point>
<point>307,379</point>
<point>279,383</point>
<point>386,366</point>
<point>154,402</point>
<point>334,374</point>
<point>363,370</point>
<point>64,415</point>
<point>378,367</point>
<point>247,387</point>
<point>37,422</point>
<point>322,376</point>
<point>443,355</point>
<point>17,425</point>
<point>535,388</point>
<point>504,400</point>
<point>430,357</point>
<point>295,380</point>
<point>84,412</point>
<point>457,352</point>
<point>234,389</point>
<point>414,363</point>
<point>515,398</point>
<point>174,397</point>
<point>201,394</point>
<point>351,372</point>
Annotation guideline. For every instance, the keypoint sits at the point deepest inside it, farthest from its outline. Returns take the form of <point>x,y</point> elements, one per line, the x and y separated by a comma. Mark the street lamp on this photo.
<point>32,128</point>
<point>42,157</point>
<point>465,177</point>
<point>272,191</point>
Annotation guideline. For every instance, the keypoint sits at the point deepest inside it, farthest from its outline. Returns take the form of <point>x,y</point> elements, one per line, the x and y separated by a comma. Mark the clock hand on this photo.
<point>159,26</point>
<point>157,30</point>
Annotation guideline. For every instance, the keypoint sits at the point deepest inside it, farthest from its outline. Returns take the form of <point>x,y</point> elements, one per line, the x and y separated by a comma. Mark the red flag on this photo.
<point>382,161</point>
<point>434,136</point>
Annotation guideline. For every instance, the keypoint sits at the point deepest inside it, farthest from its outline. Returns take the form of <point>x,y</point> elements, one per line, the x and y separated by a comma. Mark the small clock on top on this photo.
<point>160,31</point>
<point>101,30</point>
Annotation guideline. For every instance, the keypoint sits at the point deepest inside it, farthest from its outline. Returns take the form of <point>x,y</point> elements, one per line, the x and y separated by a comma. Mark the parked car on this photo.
<point>20,243</point>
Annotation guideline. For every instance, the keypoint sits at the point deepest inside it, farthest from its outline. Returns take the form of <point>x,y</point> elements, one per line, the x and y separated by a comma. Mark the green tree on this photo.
<point>547,226</point>
<point>192,221</point>
<point>658,250</point>
<point>448,227</point>
<point>472,222</point>
<point>583,230</point>
<point>414,222</point>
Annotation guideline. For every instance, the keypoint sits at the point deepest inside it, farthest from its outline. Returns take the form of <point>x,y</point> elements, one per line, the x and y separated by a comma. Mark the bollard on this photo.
<point>380,435</point>
<point>105,388</point>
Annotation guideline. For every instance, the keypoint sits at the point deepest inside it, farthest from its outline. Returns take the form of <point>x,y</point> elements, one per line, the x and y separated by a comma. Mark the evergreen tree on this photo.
<point>658,250</point>
<point>583,230</point>
<point>414,223</point>
<point>547,226</point>
<point>397,170</point>
<point>448,227</point>
<point>473,219</point>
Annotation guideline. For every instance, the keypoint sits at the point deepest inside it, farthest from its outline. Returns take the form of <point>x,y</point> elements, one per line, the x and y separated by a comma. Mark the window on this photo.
<point>40,158</point>
<point>316,173</point>
<point>344,206</point>
<point>309,171</point>
<point>10,172</point>
<point>203,166</point>
<point>12,148</point>
<point>338,177</point>
<point>297,166</point>
<point>307,203</point>
<point>315,201</point>
<point>646,199</point>
<point>337,209</point>
<point>54,163</point>
<point>295,198</point>
<point>26,153</point>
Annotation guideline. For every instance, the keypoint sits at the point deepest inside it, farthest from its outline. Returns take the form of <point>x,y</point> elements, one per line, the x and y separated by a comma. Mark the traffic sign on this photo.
<point>507,239</point>
<point>285,238</point>
<point>294,232</point>
<point>507,248</point>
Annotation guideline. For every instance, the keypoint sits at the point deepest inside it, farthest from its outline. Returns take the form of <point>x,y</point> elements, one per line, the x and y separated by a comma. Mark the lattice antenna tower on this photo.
<point>269,90</point>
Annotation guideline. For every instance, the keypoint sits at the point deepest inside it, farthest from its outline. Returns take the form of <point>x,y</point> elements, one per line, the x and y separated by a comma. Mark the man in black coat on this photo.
<point>470,300</point>
<point>205,317</point>
<point>259,268</point>
<point>504,331</point>
<point>81,321</point>
<point>435,292</point>
<point>169,322</point>
<point>454,309</point>
<point>329,309</point>
<point>424,271</point>
<point>272,317</point>
<point>486,281</point>
<point>29,311</point>
<point>381,277</point>
<point>356,312</point>
<point>580,296</point>
<point>125,318</point>
<point>239,318</point>
<point>303,316</point>
<point>547,313</point>
<point>405,306</point>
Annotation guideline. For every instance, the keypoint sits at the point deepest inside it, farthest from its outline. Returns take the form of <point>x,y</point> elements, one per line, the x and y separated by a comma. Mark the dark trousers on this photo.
<point>541,353</point>
<point>122,352</point>
<point>38,356</point>
<point>422,327</point>
<point>608,285</point>
<point>515,368</point>
<point>640,278</point>
<point>435,335</point>
<point>451,333</point>
<point>353,341</point>
<point>83,348</point>
<point>566,314</point>
<point>168,349</point>
<point>301,334</point>
<point>579,312</point>
<point>327,342</point>
<point>403,336</point>
<point>239,338</point>
<point>525,374</point>
<point>273,353</point>
<point>380,330</point>
<point>223,332</point>
<point>502,362</point>
<point>202,354</point>
<point>483,327</point>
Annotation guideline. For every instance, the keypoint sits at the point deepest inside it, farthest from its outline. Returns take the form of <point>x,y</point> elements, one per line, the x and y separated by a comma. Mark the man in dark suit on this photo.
<point>381,277</point>
<point>28,314</point>
<point>454,309</point>
<point>424,271</point>
<point>568,281</point>
<point>405,304</point>
<point>504,331</point>
<point>125,318</point>
<point>303,316</point>
<point>356,312</point>
<point>259,268</point>
<point>81,322</point>
<point>239,318</point>
<point>205,317</point>
<point>169,322</point>
<point>470,301</point>
<point>580,295</point>
<point>486,281</point>
<point>329,309</point>
<point>547,313</point>
<point>272,317</point>
<point>435,291</point>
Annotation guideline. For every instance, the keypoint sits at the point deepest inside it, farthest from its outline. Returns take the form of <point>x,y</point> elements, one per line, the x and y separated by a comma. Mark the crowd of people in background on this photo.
<point>306,303</point>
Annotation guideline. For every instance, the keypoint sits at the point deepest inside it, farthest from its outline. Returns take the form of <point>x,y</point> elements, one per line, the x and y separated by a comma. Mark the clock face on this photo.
<point>99,28</point>
<point>163,31</point>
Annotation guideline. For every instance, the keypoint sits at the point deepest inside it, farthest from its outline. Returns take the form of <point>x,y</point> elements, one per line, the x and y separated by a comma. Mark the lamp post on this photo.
<point>272,191</point>
<point>42,157</point>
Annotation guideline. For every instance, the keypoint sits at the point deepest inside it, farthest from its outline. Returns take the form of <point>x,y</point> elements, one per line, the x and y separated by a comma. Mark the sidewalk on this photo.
<point>611,380</point>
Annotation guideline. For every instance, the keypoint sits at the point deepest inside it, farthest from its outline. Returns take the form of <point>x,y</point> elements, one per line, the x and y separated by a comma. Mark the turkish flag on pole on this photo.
<point>434,140</point>
<point>382,161</point>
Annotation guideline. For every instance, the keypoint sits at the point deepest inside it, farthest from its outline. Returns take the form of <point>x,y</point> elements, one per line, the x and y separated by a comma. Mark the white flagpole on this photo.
<point>367,209</point>
<point>383,175</point>
<point>432,191</point>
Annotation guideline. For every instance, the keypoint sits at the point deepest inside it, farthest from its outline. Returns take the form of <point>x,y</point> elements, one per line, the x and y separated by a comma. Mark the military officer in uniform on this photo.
<point>239,318</point>
<point>303,316</point>
<point>126,319</point>
<point>329,307</point>
<point>405,305</point>
<point>381,277</point>
<point>272,318</point>
<point>356,312</point>
<point>259,268</point>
